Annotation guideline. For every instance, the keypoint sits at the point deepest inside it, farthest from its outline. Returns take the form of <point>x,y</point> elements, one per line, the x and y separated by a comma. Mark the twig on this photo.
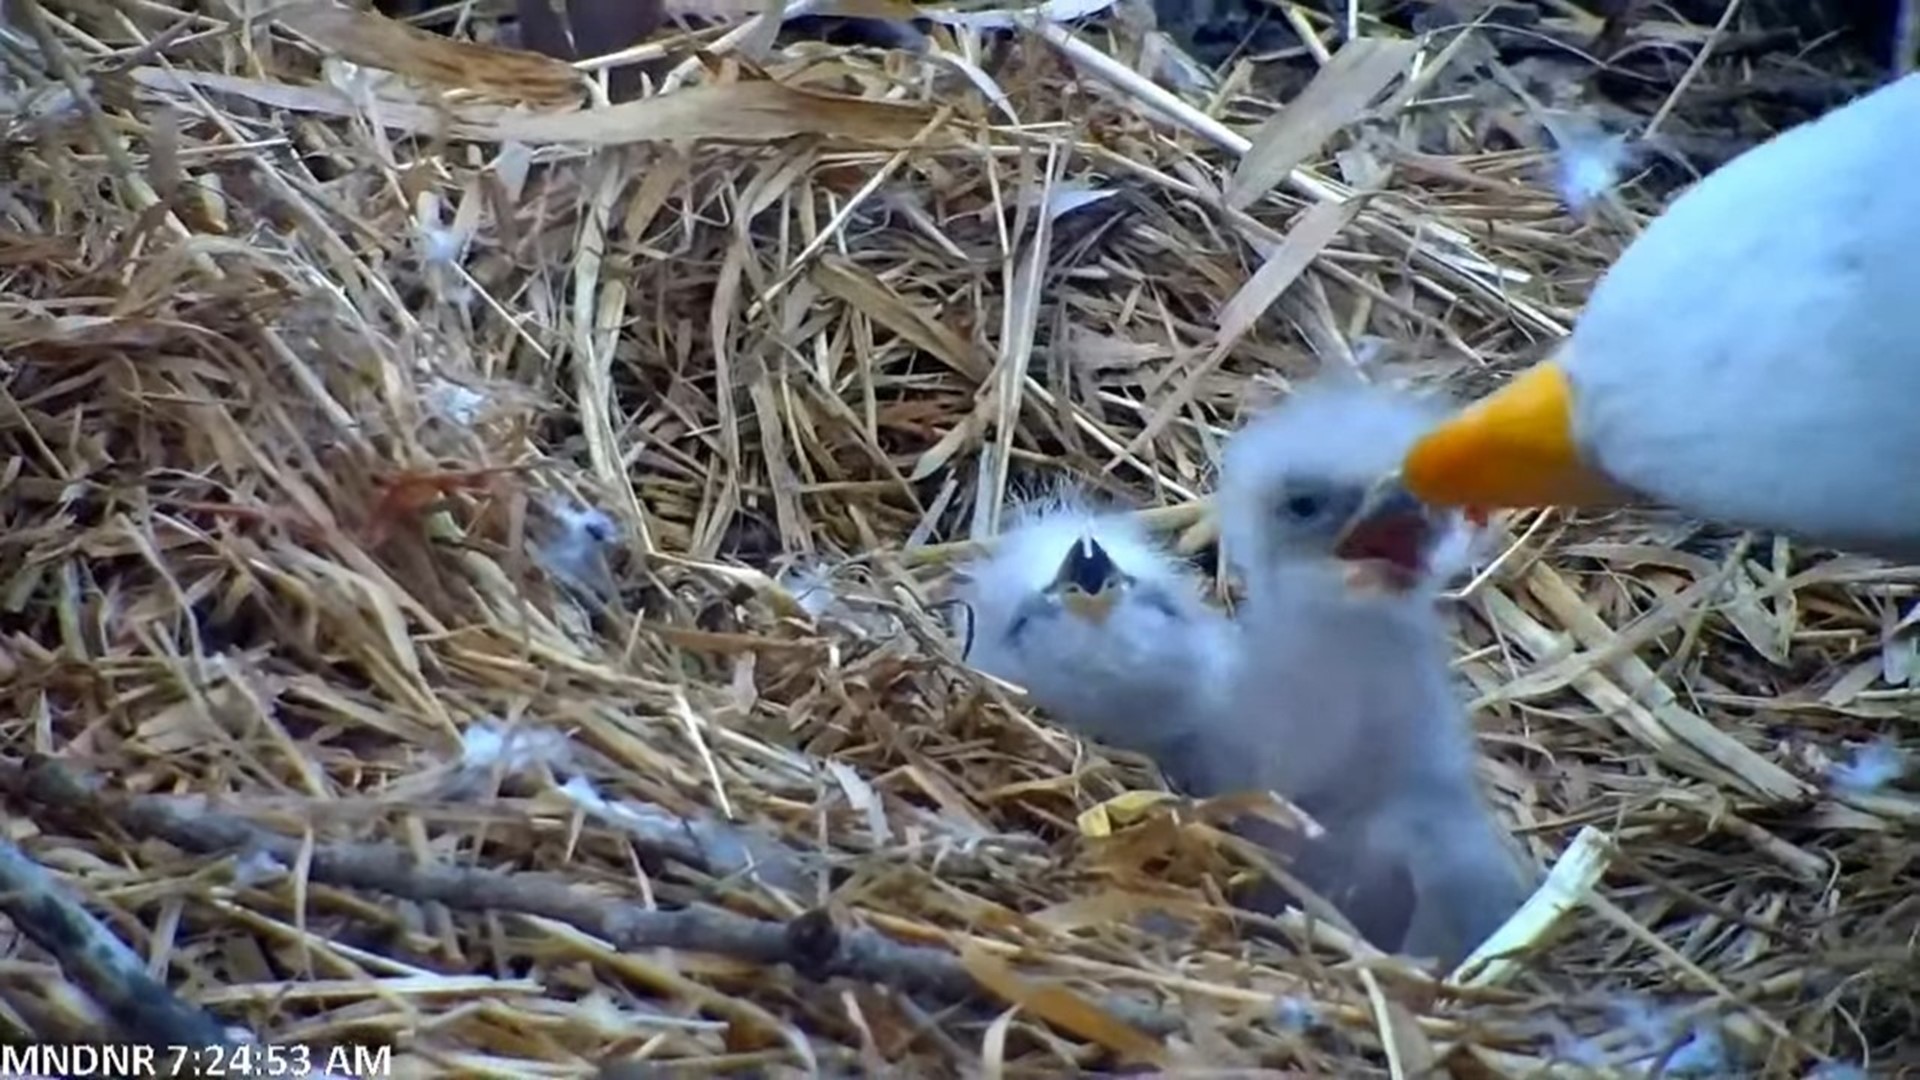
<point>810,943</point>
<point>98,962</point>
<point>1693,69</point>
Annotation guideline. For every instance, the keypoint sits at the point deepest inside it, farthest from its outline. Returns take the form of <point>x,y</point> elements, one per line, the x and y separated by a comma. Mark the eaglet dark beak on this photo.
<point>1087,582</point>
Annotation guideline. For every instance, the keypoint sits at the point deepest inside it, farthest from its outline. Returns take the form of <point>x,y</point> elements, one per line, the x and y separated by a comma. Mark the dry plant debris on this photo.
<point>471,556</point>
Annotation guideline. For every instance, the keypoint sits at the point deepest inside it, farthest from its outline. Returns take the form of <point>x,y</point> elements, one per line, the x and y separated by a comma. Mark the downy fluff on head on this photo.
<point>1293,476</point>
<point>1137,678</point>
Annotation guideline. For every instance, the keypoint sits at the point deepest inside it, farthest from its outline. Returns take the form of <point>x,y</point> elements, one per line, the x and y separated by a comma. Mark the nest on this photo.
<point>472,555</point>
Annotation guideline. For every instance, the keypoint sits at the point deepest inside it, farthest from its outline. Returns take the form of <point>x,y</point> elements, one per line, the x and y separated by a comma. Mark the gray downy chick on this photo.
<point>1106,630</point>
<point>1346,704</point>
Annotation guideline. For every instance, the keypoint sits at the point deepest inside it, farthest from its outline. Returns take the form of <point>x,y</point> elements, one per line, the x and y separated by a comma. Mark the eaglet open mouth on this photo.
<point>1388,540</point>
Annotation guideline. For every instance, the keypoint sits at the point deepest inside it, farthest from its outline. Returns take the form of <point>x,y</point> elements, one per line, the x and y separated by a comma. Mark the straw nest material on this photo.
<point>472,559</point>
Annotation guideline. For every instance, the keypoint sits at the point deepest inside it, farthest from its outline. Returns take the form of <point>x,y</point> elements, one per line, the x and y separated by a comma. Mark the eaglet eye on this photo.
<point>1304,506</point>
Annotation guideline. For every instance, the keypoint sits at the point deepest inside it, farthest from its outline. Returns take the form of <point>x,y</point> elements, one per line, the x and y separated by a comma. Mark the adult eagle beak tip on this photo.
<point>1513,448</point>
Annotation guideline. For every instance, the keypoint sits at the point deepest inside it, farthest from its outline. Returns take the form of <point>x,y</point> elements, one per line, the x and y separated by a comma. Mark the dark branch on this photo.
<point>811,944</point>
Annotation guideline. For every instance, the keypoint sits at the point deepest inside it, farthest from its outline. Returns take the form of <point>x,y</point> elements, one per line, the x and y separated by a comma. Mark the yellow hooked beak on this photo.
<point>1512,448</point>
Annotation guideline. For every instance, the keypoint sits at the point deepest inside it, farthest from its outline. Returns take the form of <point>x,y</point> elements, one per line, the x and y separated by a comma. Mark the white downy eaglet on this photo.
<point>1346,704</point>
<point>1107,631</point>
